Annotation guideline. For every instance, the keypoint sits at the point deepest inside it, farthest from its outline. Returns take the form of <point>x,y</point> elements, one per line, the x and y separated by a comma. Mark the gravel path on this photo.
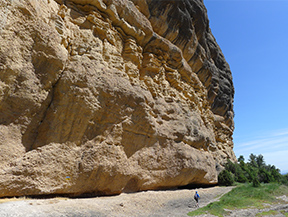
<point>148,203</point>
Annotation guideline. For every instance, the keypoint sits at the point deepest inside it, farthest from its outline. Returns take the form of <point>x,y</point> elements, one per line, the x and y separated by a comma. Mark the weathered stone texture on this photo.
<point>118,95</point>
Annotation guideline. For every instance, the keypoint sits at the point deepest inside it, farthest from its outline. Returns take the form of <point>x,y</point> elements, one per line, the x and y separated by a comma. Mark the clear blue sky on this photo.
<point>253,35</point>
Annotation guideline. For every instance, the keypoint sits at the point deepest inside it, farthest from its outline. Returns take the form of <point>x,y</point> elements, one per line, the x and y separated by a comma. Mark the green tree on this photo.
<point>275,173</point>
<point>269,167</point>
<point>284,179</point>
<point>231,167</point>
<point>252,160</point>
<point>265,176</point>
<point>225,178</point>
<point>255,182</point>
<point>260,161</point>
<point>241,158</point>
<point>252,172</point>
<point>236,171</point>
<point>255,171</point>
<point>242,178</point>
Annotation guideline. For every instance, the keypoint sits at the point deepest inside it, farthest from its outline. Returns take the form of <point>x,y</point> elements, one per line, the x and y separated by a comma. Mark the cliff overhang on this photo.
<point>104,97</point>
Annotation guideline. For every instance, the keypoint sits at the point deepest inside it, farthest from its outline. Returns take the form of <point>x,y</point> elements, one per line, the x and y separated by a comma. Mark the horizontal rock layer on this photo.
<point>104,97</point>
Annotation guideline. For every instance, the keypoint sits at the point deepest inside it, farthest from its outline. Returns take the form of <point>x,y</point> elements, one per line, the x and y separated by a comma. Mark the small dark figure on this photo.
<point>196,198</point>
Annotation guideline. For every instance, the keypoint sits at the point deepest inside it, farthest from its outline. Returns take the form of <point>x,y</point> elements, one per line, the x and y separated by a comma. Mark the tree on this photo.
<point>237,171</point>
<point>256,182</point>
<point>252,160</point>
<point>269,167</point>
<point>241,158</point>
<point>241,178</point>
<point>255,171</point>
<point>275,173</point>
<point>260,161</point>
<point>252,172</point>
<point>231,167</point>
<point>284,179</point>
<point>265,176</point>
<point>225,178</point>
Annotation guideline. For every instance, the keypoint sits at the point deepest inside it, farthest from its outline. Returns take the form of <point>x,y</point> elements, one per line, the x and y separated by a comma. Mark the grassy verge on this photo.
<point>271,212</point>
<point>284,213</point>
<point>244,196</point>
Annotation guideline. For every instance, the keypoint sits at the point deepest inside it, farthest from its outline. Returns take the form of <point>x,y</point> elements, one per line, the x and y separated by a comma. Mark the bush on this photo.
<point>284,179</point>
<point>225,178</point>
<point>255,171</point>
<point>231,167</point>
<point>241,178</point>
<point>256,182</point>
<point>265,176</point>
<point>276,175</point>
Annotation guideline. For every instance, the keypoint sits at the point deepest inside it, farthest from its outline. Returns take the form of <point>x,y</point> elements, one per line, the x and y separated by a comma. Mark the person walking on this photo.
<point>196,198</point>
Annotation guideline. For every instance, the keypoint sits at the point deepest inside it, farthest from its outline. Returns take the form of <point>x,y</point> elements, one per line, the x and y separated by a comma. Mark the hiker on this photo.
<point>196,198</point>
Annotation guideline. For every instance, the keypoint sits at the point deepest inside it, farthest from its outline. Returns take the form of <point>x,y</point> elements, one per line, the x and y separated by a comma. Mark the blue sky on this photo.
<point>253,35</point>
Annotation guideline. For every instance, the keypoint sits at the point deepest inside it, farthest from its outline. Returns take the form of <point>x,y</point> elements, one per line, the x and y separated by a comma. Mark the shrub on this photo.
<point>256,168</point>
<point>231,167</point>
<point>284,179</point>
<point>241,178</point>
<point>265,176</point>
<point>256,182</point>
<point>276,175</point>
<point>225,178</point>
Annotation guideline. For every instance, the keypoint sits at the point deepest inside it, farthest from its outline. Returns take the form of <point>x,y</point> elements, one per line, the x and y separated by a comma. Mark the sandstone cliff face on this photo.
<point>103,96</point>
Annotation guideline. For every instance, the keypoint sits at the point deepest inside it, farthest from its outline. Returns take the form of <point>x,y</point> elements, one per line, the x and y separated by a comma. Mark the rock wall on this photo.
<point>106,96</point>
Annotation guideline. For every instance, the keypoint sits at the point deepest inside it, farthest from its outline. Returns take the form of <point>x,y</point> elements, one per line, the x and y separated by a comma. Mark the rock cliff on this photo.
<point>110,96</point>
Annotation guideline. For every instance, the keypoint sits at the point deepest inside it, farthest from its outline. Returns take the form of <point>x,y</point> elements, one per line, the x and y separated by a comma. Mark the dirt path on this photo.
<point>148,203</point>
<point>171,203</point>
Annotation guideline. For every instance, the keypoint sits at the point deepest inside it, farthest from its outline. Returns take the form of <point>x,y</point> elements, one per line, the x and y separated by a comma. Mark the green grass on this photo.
<point>284,212</point>
<point>244,196</point>
<point>271,212</point>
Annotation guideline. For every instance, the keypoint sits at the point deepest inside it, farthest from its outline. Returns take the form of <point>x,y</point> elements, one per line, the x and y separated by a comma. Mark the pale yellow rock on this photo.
<point>98,97</point>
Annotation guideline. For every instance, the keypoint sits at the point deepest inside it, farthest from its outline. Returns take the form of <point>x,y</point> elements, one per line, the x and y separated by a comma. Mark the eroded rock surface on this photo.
<point>103,96</point>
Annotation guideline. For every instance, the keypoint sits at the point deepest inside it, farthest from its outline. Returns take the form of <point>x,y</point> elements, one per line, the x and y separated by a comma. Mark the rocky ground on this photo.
<point>148,203</point>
